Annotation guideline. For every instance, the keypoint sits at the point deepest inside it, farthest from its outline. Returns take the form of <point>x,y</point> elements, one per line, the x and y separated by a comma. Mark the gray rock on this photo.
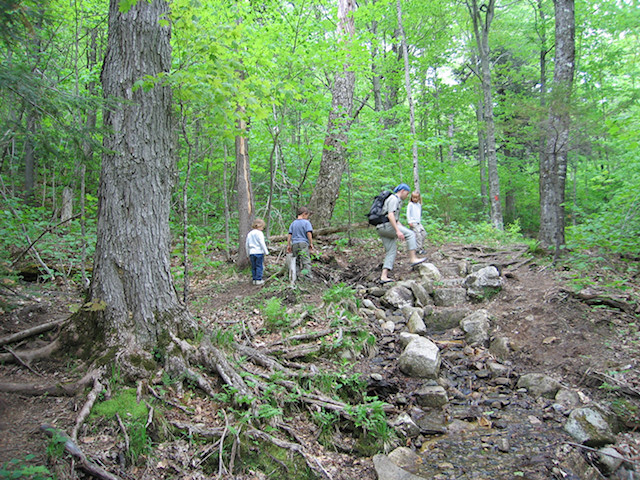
<point>405,426</point>
<point>366,303</point>
<point>500,347</point>
<point>431,422</point>
<point>406,459</point>
<point>405,338</point>
<point>445,318</point>
<point>498,369</point>
<point>377,291</point>
<point>387,470</point>
<point>398,297</point>
<point>568,398</point>
<point>431,396</point>
<point>453,269</point>
<point>449,297</point>
<point>416,324</point>
<point>483,283</point>
<point>476,327</point>
<point>420,358</point>
<point>590,426</point>
<point>388,326</point>
<point>539,385</point>
<point>408,311</point>
<point>610,460</point>
<point>421,295</point>
<point>429,272</point>
<point>428,285</point>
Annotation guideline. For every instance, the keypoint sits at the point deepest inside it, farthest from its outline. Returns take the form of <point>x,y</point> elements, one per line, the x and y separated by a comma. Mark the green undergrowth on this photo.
<point>133,415</point>
<point>24,470</point>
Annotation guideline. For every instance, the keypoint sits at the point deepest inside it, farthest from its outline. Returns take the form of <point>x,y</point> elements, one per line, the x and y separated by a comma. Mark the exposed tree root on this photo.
<point>31,355</point>
<point>593,297</point>
<point>56,389</point>
<point>88,405</point>
<point>85,463</point>
<point>312,462</point>
<point>30,332</point>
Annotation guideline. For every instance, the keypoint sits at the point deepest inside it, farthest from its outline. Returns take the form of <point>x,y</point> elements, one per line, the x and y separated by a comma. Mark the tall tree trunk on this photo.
<point>553,168</point>
<point>412,114</point>
<point>30,156</point>
<point>542,35</point>
<point>132,300</point>
<point>332,165</point>
<point>482,158</point>
<point>246,212</point>
<point>481,31</point>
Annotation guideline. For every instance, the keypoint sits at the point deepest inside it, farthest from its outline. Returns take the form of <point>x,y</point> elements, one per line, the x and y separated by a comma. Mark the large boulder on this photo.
<point>591,426</point>
<point>420,358</point>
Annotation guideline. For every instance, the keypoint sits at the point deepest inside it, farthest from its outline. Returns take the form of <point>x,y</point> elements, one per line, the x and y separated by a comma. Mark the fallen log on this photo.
<point>324,231</point>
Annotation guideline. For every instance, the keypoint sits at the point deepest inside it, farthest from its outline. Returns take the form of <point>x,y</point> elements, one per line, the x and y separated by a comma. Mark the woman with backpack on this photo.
<point>392,230</point>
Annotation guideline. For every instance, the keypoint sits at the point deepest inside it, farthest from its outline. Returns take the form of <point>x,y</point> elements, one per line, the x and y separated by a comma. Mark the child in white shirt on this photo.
<point>257,249</point>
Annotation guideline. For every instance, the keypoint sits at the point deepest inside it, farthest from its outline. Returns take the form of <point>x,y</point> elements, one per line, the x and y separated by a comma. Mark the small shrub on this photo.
<point>338,293</point>
<point>276,314</point>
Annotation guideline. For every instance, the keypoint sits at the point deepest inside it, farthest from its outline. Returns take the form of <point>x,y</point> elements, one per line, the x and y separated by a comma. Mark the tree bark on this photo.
<point>553,167</point>
<point>333,163</point>
<point>132,300</point>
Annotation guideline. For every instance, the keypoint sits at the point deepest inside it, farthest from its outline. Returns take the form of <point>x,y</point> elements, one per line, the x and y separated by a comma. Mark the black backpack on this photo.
<point>375,215</point>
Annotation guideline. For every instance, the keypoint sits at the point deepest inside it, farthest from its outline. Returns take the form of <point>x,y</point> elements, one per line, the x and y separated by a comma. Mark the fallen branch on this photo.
<point>30,332</point>
<point>302,337</point>
<point>198,429</point>
<point>622,387</point>
<point>85,463</point>
<point>127,443</point>
<point>217,361</point>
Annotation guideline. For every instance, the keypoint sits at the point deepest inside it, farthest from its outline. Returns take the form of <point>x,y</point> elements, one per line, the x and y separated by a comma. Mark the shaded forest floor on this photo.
<point>573,338</point>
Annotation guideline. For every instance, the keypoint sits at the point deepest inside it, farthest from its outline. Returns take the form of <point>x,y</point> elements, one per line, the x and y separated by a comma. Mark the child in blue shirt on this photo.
<point>300,240</point>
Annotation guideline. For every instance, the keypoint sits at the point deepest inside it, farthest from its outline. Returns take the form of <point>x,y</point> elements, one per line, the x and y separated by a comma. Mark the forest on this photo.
<point>268,73</point>
<point>140,139</point>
